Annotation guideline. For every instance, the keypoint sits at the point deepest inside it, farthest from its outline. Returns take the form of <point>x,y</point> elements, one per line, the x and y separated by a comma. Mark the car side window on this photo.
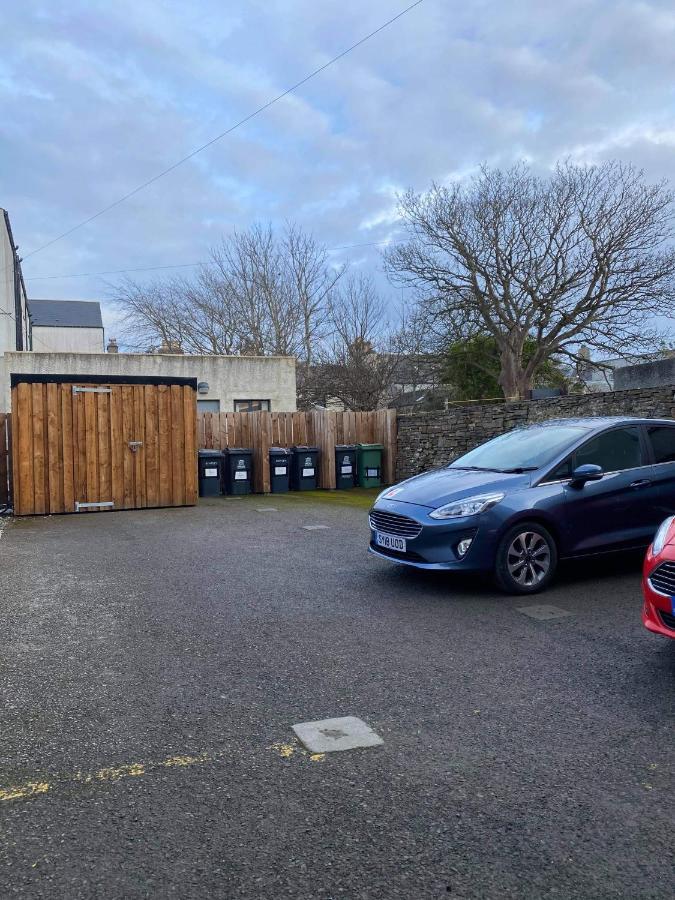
<point>662,438</point>
<point>562,470</point>
<point>614,450</point>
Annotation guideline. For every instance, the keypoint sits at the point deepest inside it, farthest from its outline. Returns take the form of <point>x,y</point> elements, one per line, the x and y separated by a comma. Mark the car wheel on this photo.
<point>526,560</point>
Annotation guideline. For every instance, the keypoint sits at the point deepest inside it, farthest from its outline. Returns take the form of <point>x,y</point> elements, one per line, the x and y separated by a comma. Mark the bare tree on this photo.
<point>581,257</point>
<point>357,364</point>
<point>261,294</point>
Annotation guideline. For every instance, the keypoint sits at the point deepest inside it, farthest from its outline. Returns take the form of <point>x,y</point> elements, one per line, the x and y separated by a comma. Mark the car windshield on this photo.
<point>522,450</point>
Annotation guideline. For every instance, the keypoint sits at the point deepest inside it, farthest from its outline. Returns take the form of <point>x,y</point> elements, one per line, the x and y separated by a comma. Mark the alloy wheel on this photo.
<point>528,559</point>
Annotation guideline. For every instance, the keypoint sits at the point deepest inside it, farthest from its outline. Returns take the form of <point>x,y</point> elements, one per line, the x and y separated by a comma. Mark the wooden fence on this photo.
<point>323,429</point>
<point>5,467</point>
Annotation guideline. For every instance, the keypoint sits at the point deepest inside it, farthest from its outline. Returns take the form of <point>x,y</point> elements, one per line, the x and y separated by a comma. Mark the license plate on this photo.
<point>390,541</point>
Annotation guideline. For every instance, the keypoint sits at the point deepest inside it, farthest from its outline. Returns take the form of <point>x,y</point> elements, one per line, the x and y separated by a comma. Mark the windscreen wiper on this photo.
<point>517,470</point>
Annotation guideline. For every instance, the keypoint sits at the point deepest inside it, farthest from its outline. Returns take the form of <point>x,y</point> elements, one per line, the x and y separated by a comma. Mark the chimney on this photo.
<point>112,346</point>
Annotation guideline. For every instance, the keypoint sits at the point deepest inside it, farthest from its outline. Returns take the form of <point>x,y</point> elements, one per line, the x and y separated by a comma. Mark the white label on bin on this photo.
<point>372,473</point>
<point>240,476</point>
<point>210,473</point>
<point>308,473</point>
<point>280,470</point>
<point>346,470</point>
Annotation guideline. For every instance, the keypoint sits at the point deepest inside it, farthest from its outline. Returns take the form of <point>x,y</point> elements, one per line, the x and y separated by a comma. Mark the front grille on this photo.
<point>409,555</point>
<point>663,578</point>
<point>667,619</point>
<point>392,523</point>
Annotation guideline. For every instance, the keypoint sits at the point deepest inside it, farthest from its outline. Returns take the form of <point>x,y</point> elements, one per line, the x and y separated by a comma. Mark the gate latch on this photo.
<point>134,445</point>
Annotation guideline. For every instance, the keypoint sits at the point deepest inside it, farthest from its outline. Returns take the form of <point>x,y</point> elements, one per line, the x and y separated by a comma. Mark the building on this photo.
<point>225,383</point>
<point>606,374</point>
<point>654,373</point>
<point>14,321</point>
<point>66,326</point>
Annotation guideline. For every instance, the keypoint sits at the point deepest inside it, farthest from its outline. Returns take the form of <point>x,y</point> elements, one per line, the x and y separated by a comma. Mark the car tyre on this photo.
<point>526,560</point>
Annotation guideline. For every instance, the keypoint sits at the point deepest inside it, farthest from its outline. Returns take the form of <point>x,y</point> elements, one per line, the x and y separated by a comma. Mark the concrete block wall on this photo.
<point>426,440</point>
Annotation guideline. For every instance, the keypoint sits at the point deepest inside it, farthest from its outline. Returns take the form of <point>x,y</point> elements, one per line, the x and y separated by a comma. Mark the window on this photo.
<point>662,438</point>
<point>251,405</point>
<point>527,448</point>
<point>614,450</point>
<point>212,406</point>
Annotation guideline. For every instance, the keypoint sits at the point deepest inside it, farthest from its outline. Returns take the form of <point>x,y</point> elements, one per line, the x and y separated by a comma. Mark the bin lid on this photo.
<point>239,450</point>
<point>302,449</point>
<point>370,446</point>
<point>207,453</point>
<point>279,451</point>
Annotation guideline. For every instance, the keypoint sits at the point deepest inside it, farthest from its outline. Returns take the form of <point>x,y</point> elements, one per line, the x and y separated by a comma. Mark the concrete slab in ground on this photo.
<point>543,611</point>
<point>330,735</point>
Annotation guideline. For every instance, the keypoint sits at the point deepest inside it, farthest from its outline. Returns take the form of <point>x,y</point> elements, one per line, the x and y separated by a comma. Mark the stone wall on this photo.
<point>432,439</point>
<point>645,375</point>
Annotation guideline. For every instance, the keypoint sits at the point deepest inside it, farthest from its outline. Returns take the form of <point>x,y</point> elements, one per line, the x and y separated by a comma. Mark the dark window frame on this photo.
<point>650,445</point>
<point>253,400</point>
<point>645,452</point>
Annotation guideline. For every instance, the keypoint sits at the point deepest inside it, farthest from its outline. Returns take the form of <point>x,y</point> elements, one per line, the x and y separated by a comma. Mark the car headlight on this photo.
<point>661,535</point>
<point>469,506</point>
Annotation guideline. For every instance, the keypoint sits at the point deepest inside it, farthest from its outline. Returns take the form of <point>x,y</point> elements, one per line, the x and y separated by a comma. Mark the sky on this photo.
<point>97,97</point>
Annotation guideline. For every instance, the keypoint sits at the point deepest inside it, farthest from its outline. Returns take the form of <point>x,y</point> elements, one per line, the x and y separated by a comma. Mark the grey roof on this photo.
<point>65,313</point>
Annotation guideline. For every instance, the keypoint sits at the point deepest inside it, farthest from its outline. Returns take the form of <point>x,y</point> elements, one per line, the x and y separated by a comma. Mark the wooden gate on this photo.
<point>95,445</point>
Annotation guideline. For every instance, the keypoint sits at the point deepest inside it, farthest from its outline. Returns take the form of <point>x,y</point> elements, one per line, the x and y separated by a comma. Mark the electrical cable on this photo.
<point>252,115</point>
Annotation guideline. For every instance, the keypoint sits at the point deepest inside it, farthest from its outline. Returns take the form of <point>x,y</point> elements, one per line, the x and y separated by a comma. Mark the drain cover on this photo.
<point>329,735</point>
<point>543,611</point>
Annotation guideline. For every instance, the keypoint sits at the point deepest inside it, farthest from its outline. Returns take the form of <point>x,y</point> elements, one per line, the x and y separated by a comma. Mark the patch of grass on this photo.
<point>358,498</point>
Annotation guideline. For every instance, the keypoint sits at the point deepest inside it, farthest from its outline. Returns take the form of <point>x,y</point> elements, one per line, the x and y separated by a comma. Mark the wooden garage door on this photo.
<point>88,447</point>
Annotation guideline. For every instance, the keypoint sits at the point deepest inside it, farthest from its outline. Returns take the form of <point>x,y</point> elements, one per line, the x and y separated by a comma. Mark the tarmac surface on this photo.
<point>153,664</point>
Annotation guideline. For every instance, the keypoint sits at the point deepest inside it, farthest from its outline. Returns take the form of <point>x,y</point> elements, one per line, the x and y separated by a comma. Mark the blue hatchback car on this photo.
<point>519,503</point>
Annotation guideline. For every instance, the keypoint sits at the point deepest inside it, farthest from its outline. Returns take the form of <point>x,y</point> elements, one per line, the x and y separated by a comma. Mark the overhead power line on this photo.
<point>176,265</point>
<point>229,130</point>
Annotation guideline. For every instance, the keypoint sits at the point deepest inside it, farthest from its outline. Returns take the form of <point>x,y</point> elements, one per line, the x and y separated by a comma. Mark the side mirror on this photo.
<point>587,472</point>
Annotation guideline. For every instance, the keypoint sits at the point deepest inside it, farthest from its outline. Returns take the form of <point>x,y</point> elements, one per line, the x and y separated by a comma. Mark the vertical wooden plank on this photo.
<point>10,459</point>
<point>165,458</point>
<point>140,487</point>
<point>22,451</point>
<point>54,450</point>
<point>40,484</point>
<point>117,447</point>
<point>221,442</point>
<point>91,447</point>
<point>128,466</point>
<point>190,422</point>
<point>151,444</point>
<point>4,458</point>
<point>103,446</point>
<point>177,447</point>
<point>80,450</point>
<point>66,450</point>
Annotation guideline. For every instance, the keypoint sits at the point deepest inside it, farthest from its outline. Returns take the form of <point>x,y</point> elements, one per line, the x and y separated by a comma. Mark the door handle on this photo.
<point>642,483</point>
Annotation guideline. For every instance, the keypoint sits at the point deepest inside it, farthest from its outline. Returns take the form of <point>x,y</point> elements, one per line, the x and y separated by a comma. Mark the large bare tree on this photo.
<point>262,293</point>
<point>584,256</point>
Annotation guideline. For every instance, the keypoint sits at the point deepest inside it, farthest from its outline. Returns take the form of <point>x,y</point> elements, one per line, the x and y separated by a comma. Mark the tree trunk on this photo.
<point>513,380</point>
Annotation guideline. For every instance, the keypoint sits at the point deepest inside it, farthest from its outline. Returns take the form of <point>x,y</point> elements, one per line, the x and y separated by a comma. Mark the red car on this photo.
<point>658,582</point>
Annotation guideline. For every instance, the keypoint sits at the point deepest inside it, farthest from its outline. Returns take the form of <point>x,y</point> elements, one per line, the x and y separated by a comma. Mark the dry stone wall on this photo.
<point>433,439</point>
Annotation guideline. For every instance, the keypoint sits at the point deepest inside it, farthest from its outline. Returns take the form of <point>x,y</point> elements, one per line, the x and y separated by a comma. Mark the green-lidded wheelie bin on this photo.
<point>369,459</point>
<point>345,466</point>
<point>210,467</point>
<point>280,469</point>
<point>304,468</point>
<point>239,470</point>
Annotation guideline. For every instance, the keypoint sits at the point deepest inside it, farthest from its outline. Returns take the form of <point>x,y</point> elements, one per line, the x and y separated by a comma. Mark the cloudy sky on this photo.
<point>97,97</point>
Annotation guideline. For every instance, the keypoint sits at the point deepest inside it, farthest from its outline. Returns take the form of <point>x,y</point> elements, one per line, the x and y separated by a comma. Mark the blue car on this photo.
<point>519,503</point>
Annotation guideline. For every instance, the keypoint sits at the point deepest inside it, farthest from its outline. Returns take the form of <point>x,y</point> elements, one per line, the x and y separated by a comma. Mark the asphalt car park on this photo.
<point>154,663</point>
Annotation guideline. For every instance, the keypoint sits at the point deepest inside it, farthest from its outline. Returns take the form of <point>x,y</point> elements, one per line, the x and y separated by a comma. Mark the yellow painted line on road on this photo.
<point>111,774</point>
<point>33,789</point>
